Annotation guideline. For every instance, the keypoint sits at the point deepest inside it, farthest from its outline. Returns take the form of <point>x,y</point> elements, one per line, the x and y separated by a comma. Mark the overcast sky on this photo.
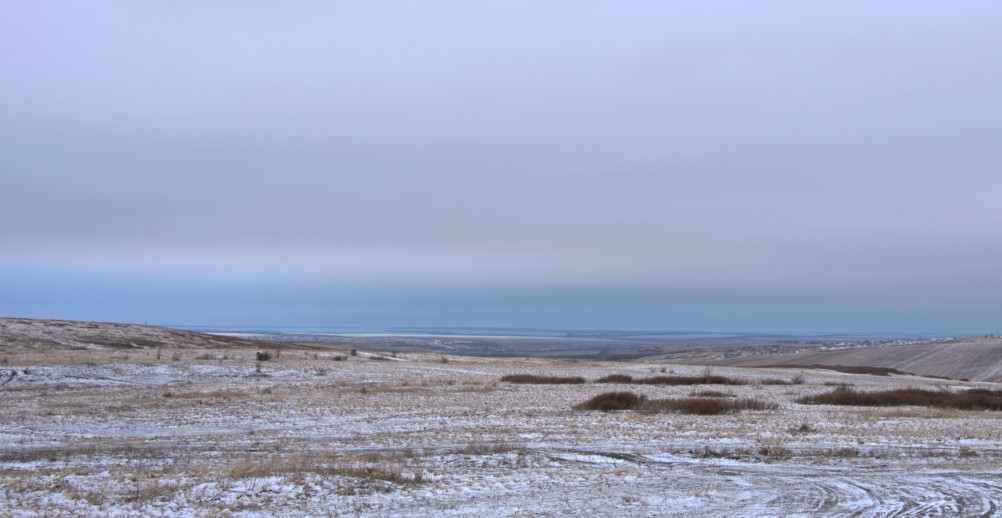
<point>781,166</point>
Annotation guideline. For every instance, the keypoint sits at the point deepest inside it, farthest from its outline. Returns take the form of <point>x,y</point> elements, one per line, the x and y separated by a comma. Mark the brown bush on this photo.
<point>690,380</point>
<point>848,369</point>
<point>613,401</point>
<point>616,378</point>
<point>705,406</point>
<point>543,380</point>
<point>710,393</point>
<point>858,369</point>
<point>974,399</point>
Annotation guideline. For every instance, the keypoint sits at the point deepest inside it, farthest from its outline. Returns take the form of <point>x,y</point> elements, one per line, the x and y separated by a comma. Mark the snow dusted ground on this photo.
<point>215,433</point>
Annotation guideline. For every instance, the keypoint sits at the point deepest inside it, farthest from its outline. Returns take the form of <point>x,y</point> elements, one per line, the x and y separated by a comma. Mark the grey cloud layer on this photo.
<point>779,145</point>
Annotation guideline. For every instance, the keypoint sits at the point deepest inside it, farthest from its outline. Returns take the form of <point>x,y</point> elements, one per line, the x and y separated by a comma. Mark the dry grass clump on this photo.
<point>839,385</point>
<point>974,399</point>
<point>853,369</point>
<point>613,401</point>
<point>700,406</point>
<point>215,394</point>
<point>705,406</point>
<point>323,464</point>
<point>690,380</point>
<point>796,380</point>
<point>710,393</point>
<point>616,378</point>
<point>543,380</point>
<point>848,369</point>
<point>705,379</point>
<point>487,448</point>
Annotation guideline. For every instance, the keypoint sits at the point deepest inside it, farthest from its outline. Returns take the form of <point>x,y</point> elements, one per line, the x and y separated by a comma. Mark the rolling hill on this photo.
<point>976,359</point>
<point>23,333</point>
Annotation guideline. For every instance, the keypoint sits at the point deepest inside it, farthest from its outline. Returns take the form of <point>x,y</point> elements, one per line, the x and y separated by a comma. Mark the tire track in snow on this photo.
<point>875,492</point>
<point>688,487</point>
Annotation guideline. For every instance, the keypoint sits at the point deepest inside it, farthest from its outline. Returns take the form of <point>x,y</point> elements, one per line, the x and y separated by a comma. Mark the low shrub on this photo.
<point>705,406</point>
<point>974,399</point>
<point>543,380</point>
<point>263,356</point>
<point>848,369</point>
<point>859,369</point>
<point>795,380</point>
<point>710,393</point>
<point>690,380</point>
<point>700,406</point>
<point>613,401</point>
<point>616,378</point>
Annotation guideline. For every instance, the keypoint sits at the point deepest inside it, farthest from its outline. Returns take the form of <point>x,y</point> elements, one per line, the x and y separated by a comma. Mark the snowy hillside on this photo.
<point>23,333</point>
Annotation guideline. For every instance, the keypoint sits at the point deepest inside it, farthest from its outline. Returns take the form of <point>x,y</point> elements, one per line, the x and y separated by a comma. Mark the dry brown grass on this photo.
<point>710,393</point>
<point>848,369</point>
<point>215,394</point>
<point>487,448</point>
<point>700,406</point>
<point>613,401</point>
<point>974,399</point>
<point>321,463</point>
<point>690,380</point>
<point>543,380</point>
<point>705,379</point>
<point>774,381</point>
<point>616,378</point>
<point>705,406</point>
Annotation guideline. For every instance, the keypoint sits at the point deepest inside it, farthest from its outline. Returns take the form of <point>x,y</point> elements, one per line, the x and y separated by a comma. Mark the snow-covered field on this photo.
<point>215,433</point>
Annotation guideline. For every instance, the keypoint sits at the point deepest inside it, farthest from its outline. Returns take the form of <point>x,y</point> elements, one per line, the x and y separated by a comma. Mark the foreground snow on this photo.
<point>215,433</point>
